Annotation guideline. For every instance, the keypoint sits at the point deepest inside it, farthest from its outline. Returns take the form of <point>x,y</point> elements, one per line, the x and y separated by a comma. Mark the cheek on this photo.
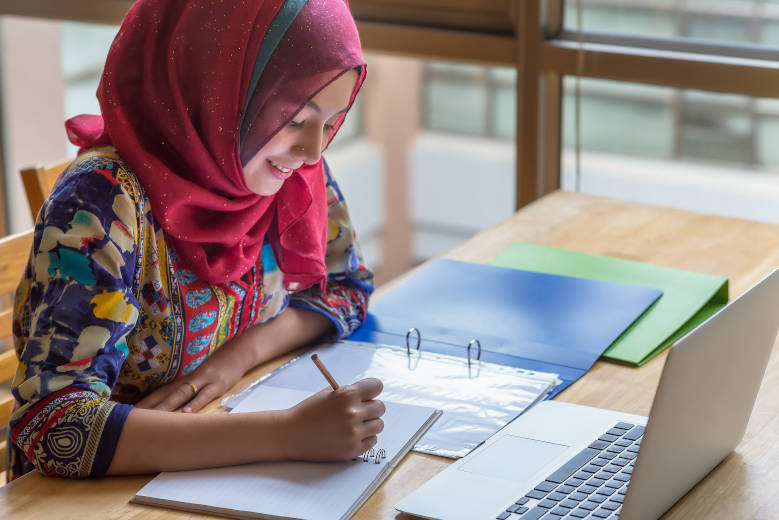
<point>280,142</point>
<point>254,165</point>
<point>273,147</point>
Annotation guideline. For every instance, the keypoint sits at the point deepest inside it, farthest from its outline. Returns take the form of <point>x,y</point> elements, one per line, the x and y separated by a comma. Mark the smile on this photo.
<point>279,171</point>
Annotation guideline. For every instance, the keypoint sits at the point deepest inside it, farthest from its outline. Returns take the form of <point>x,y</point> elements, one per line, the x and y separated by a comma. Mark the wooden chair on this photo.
<point>14,251</point>
<point>39,181</point>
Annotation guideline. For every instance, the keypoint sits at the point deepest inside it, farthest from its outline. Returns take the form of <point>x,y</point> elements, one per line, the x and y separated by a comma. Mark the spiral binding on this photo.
<point>419,343</point>
<point>376,454</point>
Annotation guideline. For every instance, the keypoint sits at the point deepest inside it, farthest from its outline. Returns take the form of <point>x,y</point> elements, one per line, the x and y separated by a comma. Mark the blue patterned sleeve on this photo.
<point>349,280</point>
<point>73,309</point>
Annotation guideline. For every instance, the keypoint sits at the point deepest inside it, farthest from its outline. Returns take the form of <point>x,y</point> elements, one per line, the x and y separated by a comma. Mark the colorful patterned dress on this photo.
<point>106,312</point>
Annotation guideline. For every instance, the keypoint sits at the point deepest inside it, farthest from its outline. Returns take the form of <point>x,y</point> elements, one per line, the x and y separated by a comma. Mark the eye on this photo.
<point>329,127</point>
<point>295,124</point>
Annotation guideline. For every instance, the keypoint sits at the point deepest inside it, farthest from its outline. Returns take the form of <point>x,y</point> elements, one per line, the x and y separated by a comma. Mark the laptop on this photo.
<point>561,460</point>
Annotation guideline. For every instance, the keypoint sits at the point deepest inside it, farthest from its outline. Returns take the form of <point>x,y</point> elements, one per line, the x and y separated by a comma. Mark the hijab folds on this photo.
<point>191,90</point>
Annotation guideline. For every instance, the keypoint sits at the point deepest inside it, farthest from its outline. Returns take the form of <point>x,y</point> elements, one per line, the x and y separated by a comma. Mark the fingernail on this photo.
<point>187,410</point>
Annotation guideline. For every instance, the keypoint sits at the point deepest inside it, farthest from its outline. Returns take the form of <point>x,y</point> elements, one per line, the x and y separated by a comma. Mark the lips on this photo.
<point>280,172</point>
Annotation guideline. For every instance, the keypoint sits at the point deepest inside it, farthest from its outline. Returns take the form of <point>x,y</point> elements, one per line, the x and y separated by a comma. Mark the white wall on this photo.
<point>33,105</point>
<point>357,167</point>
<point>706,188</point>
<point>459,186</point>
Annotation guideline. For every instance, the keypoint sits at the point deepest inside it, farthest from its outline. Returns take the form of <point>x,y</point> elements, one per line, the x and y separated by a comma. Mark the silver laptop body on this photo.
<point>699,414</point>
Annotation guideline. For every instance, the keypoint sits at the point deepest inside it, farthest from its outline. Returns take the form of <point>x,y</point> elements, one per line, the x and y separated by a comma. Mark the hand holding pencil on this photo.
<point>337,423</point>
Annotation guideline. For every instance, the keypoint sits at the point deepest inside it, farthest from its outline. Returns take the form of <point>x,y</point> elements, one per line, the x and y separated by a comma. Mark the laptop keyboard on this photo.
<point>591,485</point>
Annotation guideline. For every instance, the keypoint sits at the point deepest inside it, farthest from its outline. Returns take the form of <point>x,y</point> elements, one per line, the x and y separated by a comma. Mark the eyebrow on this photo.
<point>316,108</point>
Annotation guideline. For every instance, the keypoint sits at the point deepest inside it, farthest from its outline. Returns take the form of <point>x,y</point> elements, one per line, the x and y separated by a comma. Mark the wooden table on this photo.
<point>743,486</point>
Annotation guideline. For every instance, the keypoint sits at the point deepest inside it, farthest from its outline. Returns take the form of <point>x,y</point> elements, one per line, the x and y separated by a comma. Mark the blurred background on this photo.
<point>428,156</point>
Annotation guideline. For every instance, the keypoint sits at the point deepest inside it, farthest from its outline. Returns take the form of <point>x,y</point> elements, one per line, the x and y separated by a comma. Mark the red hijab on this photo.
<point>191,90</point>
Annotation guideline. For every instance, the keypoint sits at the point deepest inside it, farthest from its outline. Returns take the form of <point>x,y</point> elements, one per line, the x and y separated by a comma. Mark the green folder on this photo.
<point>688,298</point>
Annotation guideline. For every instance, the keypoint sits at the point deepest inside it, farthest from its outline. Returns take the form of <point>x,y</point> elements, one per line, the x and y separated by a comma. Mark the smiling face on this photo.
<point>302,140</point>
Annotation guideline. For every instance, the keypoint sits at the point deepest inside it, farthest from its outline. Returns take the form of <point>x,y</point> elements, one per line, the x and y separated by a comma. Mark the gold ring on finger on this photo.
<point>192,386</point>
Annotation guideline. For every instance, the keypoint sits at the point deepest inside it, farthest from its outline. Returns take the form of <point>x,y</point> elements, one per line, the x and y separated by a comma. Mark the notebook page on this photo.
<point>321,491</point>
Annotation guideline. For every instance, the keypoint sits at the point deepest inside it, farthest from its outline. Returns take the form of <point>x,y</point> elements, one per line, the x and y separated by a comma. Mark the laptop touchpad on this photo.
<point>514,458</point>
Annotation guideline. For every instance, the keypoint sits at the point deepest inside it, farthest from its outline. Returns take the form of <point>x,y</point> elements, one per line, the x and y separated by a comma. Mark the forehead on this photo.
<point>336,95</point>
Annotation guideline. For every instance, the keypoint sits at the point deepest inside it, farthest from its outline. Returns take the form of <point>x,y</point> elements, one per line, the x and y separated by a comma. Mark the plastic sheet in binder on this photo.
<point>477,398</point>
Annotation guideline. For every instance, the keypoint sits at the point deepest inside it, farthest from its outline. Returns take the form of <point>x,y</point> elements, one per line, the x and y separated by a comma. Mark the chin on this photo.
<point>265,191</point>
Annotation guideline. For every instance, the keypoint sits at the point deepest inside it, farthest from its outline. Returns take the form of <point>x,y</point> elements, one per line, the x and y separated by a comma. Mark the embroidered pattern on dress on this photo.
<point>90,452</point>
<point>57,433</point>
<point>154,297</point>
<point>197,345</point>
<point>198,297</point>
<point>139,336</point>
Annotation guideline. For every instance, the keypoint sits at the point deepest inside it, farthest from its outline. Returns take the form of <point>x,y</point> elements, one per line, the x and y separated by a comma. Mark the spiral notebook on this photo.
<point>290,489</point>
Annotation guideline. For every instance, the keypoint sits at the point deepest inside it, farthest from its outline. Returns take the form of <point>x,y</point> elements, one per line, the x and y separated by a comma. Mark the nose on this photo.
<point>309,145</point>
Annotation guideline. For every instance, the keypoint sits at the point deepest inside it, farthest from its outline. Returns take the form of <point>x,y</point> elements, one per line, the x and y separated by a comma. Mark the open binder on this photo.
<point>477,398</point>
<point>530,320</point>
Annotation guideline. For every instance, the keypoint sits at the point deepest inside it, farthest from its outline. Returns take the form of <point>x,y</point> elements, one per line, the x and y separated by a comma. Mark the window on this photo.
<point>469,100</point>
<point>447,157</point>
<point>84,49</point>
<point>684,148</point>
<point>733,21</point>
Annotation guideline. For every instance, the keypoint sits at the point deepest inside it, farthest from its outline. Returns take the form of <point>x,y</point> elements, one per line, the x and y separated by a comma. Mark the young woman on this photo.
<point>198,234</point>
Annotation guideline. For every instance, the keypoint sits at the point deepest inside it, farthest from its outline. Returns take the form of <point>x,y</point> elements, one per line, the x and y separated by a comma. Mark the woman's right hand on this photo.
<point>334,424</point>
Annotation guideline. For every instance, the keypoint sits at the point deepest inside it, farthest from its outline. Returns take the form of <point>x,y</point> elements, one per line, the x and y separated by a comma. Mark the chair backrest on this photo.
<point>39,181</point>
<point>14,251</point>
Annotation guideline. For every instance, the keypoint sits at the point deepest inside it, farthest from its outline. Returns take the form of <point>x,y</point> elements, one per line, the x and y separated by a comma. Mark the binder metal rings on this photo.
<point>377,455</point>
<point>478,352</point>
<point>419,339</point>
